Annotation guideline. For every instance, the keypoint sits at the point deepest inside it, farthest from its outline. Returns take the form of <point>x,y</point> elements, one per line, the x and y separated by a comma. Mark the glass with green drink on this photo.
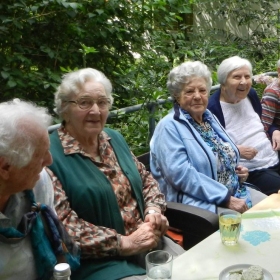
<point>230,226</point>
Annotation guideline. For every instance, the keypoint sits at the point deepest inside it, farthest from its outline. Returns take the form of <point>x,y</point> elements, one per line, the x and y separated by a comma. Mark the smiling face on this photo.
<point>194,98</point>
<point>237,85</point>
<point>87,123</point>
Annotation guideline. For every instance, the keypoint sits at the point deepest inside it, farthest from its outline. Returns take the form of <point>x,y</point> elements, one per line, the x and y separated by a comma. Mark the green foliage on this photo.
<point>135,43</point>
<point>254,38</point>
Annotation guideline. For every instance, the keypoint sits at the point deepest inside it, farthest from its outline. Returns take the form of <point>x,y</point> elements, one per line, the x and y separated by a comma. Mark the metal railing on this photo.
<point>151,107</point>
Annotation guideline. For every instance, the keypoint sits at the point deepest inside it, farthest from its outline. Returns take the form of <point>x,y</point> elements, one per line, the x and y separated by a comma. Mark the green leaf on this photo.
<point>99,11</point>
<point>11,83</point>
<point>74,6</point>
<point>5,75</point>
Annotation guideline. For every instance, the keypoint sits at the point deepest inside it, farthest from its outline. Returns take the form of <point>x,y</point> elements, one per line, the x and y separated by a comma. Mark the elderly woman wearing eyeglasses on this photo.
<point>105,197</point>
<point>192,156</point>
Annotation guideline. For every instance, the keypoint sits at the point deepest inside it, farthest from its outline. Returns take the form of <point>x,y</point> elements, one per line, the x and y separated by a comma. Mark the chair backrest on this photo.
<point>145,159</point>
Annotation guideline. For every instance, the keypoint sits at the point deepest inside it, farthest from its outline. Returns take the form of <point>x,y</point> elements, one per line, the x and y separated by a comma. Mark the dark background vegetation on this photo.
<point>135,43</point>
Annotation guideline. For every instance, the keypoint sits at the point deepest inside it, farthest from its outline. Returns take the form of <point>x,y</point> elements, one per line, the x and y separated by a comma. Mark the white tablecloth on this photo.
<point>259,244</point>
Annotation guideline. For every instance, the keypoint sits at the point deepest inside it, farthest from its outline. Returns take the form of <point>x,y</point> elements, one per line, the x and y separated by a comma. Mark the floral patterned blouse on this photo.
<point>226,158</point>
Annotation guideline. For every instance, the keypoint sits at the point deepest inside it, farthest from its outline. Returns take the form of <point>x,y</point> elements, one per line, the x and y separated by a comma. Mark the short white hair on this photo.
<point>18,141</point>
<point>230,64</point>
<point>73,82</point>
<point>184,73</point>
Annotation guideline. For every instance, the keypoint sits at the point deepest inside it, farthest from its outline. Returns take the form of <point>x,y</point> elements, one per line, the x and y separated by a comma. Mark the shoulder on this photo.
<point>116,139</point>
<point>253,94</point>
<point>214,98</point>
<point>255,100</point>
<point>166,120</point>
<point>214,104</point>
<point>111,132</point>
<point>113,135</point>
<point>166,127</point>
<point>216,93</point>
<point>273,88</point>
<point>43,189</point>
<point>209,115</point>
<point>53,134</point>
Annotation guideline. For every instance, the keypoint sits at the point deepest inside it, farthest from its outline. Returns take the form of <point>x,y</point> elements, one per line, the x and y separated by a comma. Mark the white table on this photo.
<point>259,244</point>
<point>270,202</point>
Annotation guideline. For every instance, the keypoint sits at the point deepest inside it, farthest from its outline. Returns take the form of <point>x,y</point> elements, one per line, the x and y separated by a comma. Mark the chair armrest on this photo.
<point>195,223</point>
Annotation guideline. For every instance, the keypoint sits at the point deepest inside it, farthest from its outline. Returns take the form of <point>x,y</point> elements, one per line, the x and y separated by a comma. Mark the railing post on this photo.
<point>152,122</point>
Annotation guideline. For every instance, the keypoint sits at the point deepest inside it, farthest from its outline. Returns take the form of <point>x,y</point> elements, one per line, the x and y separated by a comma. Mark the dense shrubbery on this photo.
<point>135,43</point>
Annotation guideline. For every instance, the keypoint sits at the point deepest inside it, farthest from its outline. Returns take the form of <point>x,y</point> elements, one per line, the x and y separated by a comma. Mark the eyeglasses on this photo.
<point>86,103</point>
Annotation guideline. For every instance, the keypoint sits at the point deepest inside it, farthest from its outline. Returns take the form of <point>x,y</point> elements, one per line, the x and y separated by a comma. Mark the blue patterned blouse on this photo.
<point>225,155</point>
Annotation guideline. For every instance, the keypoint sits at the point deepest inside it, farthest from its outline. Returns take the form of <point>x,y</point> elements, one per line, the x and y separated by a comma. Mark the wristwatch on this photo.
<point>151,211</point>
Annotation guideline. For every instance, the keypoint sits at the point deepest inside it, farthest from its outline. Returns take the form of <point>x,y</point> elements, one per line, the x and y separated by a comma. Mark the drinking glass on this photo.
<point>230,225</point>
<point>159,265</point>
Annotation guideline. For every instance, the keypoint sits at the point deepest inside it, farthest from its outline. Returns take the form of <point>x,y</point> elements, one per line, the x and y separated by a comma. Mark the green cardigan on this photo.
<point>92,197</point>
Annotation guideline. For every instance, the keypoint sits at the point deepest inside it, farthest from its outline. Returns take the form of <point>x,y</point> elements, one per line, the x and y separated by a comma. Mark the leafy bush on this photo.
<point>135,43</point>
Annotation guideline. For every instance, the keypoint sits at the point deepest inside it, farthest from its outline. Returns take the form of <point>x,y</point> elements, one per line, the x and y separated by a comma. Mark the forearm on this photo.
<point>94,241</point>
<point>154,199</point>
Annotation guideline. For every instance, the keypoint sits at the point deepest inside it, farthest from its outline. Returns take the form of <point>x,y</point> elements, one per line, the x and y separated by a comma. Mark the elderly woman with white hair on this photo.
<point>238,109</point>
<point>192,157</point>
<point>118,206</point>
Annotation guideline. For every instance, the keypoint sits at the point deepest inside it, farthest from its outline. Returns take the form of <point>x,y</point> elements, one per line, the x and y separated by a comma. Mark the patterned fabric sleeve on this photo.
<point>151,192</point>
<point>269,108</point>
<point>94,241</point>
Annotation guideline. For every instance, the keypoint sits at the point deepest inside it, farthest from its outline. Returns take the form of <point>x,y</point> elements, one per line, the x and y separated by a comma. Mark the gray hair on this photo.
<point>17,119</point>
<point>278,64</point>
<point>230,64</point>
<point>72,83</point>
<point>181,75</point>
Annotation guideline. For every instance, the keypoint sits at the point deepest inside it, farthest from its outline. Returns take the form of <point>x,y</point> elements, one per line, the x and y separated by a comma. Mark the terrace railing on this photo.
<point>151,107</point>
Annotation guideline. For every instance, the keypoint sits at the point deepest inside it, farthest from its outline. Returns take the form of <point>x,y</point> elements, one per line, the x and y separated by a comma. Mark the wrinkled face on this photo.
<point>194,98</point>
<point>91,121</point>
<point>26,177</point>
<point>237,85</point>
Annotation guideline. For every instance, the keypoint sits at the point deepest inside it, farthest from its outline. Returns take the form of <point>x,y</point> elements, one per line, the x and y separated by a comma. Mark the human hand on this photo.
<point>247,152</point>
<point>276,140</point>
<point>242,173</point>
<point>158,221</point>
<point>237,204</point>
<point>142,240</point>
